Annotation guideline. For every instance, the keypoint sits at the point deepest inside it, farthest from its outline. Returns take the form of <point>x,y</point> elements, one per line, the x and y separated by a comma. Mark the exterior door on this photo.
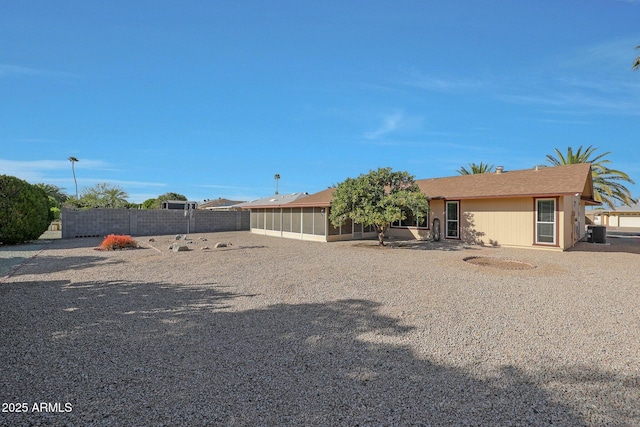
<point>546,221</point>
<point>453,220</point>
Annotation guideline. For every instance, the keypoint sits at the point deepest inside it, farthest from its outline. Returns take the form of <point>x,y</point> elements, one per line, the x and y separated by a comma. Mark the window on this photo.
<point>546,221</point>
<point>453,221</point>
<point>412,221</point>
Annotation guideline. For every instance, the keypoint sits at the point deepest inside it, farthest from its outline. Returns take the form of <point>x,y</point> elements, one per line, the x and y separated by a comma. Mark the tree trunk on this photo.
<point>380,231</point>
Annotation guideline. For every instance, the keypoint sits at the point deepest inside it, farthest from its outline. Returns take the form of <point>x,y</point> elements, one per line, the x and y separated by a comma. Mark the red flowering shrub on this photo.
<point>115,241</point>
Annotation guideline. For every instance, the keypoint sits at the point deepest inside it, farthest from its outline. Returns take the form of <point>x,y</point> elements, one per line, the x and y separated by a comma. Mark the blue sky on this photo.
<point>212,98</point>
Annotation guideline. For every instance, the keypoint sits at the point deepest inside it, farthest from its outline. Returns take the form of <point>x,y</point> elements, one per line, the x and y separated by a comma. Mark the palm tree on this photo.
<point>73,161</point>
<point>55,193</point>
<point>114,197</point>
<point>606,186</point>
<point>636,63</point>
<point>474,169</point>
<point>276,177</point>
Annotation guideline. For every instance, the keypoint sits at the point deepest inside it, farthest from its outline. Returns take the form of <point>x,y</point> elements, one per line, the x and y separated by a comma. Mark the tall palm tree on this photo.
<point>474,169</point>
<point>277,178</point>
<point>606,186</point>
<point>636,63</point>
<point>73,161</point>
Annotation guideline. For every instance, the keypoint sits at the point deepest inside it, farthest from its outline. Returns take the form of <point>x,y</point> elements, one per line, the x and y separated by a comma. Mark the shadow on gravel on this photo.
<point>629,245</point>
<point>423,245</point>
<point>52,263</point>
<point>125,353</point>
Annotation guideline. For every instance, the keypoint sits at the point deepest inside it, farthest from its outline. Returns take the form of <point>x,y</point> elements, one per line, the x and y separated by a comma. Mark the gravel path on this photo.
<point>278,332</point>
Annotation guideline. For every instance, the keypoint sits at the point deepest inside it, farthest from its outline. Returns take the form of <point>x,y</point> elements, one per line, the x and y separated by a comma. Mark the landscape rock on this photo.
<point>179,236</point>
<point>222,244</point>
<point>152,239</point>
<point>180,248</point>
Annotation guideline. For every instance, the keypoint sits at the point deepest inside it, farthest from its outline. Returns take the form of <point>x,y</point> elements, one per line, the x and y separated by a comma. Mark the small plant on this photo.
<point>115,241</point>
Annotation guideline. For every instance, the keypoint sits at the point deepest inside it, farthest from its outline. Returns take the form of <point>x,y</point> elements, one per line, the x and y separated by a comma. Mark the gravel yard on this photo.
<point>275,332</point>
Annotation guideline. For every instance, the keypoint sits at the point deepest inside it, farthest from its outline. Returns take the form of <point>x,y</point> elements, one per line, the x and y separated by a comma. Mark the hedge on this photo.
<point>24,211</point>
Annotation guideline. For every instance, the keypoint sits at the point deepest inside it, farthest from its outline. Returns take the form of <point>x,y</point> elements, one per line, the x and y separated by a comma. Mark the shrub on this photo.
<point>115,241</point>
<point>24,211</point>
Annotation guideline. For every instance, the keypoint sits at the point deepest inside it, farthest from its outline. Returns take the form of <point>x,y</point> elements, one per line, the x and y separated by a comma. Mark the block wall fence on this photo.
<point>149,222</point>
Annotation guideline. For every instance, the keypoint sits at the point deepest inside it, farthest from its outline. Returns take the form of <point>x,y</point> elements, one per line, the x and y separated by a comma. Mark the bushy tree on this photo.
<point>168,196</point>
<point>149,204</point>
<point>24,211</point>
<point>377,199</point>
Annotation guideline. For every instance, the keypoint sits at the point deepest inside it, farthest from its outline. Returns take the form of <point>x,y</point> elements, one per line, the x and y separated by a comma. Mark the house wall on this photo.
<point>503,222</point>
<point>148,222</point>
<point>507,222</point>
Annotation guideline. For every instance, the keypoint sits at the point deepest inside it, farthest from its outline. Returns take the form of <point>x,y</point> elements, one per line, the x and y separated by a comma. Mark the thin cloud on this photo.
<point>389,124</point>
<point>41,165</point>
<point>9,70</point>
<point>416,79</point>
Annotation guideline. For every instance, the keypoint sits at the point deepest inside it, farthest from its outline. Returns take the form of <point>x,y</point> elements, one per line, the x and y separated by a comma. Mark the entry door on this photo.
<point>453,220</point>
<point>546,221</point>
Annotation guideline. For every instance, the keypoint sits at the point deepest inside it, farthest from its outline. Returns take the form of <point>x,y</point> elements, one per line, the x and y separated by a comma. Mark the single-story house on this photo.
<point>623,216</point>
<point>540,207</point>
<point>218,204</point>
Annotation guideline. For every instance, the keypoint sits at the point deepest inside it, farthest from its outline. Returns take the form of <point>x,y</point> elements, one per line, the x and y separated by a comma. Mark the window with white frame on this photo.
<point>546,221</point>
<point>453,220</point>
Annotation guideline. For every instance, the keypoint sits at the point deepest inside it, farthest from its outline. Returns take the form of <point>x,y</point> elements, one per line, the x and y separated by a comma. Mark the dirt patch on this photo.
<point>502,264</point>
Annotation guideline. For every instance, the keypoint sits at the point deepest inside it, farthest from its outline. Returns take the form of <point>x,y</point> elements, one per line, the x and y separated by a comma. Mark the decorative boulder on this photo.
<point>180,248</point>
<point>222,245</point>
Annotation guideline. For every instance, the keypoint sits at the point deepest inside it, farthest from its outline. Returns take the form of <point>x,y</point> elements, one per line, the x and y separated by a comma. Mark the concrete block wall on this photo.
<point>147,222</point>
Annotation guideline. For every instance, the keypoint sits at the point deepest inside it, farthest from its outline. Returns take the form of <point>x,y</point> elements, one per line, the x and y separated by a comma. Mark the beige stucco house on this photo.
<point>539,208</point>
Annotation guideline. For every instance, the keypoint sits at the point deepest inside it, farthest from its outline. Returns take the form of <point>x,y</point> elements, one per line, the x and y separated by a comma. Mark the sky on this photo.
<point>213,98</point>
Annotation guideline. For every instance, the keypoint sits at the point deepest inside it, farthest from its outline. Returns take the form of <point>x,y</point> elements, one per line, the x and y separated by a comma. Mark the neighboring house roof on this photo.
<point>217,203</point>
<point>537,182</point>
<point>633,209</point>
<point>274,201</point>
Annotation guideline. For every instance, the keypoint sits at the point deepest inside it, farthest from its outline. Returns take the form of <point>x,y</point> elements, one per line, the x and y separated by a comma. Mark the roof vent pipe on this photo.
<point>499,169</point>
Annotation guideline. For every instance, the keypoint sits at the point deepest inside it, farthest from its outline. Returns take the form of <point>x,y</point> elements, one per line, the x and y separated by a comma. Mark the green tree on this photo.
<point>474,169</point>
<point>73,161</point>
<point>167,196</point>
<point>55,193</point>
<point>607,183</point>
<point>149,203</point>
<point>377,199</point>
<point>102,195</point>
<point>113,196</point>
<point>24,211</point>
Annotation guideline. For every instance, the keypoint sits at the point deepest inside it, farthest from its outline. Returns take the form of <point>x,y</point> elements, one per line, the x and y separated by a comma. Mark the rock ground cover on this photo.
<point>270,331</point>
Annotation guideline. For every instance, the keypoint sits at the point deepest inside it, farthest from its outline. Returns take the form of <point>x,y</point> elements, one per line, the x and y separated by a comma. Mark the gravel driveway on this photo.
<point>277,332</point>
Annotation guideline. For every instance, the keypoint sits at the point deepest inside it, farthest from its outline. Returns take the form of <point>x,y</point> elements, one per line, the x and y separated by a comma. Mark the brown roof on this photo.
<point>323,198</point>
<point>544,181</point>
